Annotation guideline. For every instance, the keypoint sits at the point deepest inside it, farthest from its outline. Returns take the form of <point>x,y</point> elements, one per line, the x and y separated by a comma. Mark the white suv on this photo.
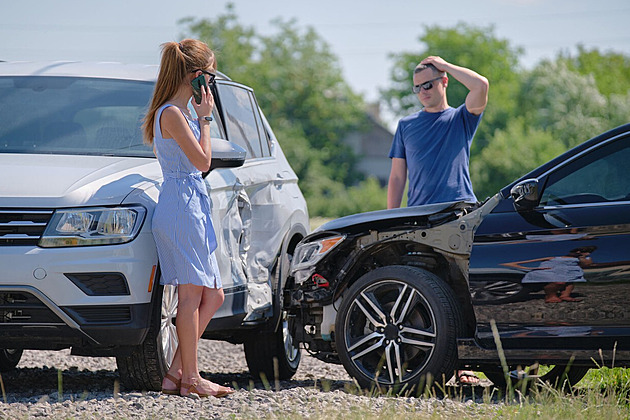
<point>78,265</point>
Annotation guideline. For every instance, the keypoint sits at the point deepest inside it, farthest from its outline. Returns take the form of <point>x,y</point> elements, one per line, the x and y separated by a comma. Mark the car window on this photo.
<point>73,115</point>
<point>216,132</point>
<point>264,137</point>
<point>602,175</point>
<point>240,119</point>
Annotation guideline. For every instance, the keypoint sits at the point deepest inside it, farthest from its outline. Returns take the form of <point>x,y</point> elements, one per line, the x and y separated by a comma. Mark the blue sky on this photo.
<point>361,33</point>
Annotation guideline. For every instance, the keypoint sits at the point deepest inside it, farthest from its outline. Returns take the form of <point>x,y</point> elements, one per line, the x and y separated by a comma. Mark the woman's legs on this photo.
<point>551,292</point>
<point>211,301</point>
<point>189,300</point>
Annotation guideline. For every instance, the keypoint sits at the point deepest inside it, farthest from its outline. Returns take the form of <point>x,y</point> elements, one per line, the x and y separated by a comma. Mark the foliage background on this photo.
<point>532,115</point>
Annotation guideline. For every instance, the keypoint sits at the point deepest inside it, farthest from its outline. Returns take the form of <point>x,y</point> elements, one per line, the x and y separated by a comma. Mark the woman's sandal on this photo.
<point>192,390</point>
<point>177,382</point>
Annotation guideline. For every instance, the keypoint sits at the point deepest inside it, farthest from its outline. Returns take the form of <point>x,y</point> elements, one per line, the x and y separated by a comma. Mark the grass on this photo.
<point>544,403</point>
<point>602,394</point>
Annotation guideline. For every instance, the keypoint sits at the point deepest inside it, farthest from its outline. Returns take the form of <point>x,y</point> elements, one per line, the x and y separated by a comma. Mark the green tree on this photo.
<point>611,70</point>
<point>559,108</point>
<point>564,102</point>
<point>333,201</point>
<point>510,154</point>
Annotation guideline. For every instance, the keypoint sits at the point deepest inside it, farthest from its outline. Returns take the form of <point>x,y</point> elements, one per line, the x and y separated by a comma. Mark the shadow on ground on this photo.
<point>32,384</point>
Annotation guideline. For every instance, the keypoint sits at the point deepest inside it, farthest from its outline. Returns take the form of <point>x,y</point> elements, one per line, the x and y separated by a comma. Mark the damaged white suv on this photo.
<point>78,265</point>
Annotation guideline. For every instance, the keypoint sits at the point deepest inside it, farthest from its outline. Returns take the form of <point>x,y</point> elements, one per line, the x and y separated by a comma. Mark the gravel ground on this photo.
<point>90,389</point>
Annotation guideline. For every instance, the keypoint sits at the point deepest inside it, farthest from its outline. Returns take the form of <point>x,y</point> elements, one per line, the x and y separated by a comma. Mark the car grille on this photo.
<point>25,309</point>
<point>95,315</point>
<point>22,226</point>
<point>22,308</point>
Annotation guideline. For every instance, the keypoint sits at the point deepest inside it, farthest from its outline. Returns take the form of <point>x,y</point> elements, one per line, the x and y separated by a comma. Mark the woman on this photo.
<point>182,226</point>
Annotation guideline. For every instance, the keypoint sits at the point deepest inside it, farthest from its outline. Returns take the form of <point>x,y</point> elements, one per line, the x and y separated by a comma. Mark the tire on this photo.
<point>149,362</point>
<point>562,377</point>
<point>396,328</point>
<point>9,359</point>
<point>275,353</point>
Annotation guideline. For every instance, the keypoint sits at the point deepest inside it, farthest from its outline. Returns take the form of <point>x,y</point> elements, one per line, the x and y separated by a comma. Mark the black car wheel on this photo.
<point>276,355</point>
<point>561,377</point>
<point>397,327</point>
<point>145,367</point>
<point>9,359</point>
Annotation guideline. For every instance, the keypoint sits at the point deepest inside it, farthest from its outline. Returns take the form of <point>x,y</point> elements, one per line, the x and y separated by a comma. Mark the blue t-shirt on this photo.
<point>436,146</point>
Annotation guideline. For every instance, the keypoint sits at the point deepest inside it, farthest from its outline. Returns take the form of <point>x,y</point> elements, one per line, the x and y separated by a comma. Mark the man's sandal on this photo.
<point>466,374</point>
<point>177,382</point>
<point>192,390</point>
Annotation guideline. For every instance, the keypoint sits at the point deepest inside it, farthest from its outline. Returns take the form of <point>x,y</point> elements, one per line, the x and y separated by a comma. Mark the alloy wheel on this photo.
<point>168,332</point>
<point>390,332</point>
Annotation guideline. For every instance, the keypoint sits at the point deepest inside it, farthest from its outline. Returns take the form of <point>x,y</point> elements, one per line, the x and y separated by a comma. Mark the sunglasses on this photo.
<point>426,85</point>
<point>211,76</point>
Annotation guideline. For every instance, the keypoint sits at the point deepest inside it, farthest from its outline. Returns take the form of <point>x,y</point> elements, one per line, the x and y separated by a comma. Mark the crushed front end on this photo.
<point>437,238</point>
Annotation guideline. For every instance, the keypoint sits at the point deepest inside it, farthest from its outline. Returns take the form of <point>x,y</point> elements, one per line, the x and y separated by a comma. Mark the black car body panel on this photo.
<point>512,248</point>
<point>576,234</point>
<point>406,215</point>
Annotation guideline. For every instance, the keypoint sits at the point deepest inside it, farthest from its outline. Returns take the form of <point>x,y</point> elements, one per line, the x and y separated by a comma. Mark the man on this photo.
<point>433,145</point>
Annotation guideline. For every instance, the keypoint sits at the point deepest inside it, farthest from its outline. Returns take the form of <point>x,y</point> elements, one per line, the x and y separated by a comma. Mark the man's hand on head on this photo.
<point>437,61</point>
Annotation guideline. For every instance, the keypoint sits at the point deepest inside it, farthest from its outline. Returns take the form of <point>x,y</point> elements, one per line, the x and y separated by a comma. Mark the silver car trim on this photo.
<point>51,305</point>
<point>572,206</point>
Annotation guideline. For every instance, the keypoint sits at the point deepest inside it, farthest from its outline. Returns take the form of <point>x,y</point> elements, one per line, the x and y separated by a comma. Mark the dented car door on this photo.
<point>254,219</point>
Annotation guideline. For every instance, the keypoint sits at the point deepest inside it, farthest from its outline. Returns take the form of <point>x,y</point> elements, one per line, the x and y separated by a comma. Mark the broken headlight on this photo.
<point>308,254</point>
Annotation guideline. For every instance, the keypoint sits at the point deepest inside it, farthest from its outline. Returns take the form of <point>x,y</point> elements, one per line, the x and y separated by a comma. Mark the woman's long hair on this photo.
<point>178,59</point>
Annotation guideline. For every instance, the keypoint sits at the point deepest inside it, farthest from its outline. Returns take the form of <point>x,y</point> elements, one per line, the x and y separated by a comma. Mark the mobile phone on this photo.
<point>197,82</point>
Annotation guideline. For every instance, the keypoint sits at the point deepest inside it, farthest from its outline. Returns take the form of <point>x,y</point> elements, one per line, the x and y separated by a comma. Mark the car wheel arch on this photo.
<point>443,268</point>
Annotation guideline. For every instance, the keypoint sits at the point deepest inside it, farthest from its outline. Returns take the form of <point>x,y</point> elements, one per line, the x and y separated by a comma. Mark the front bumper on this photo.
<point>32,321</point>
<point>96,297</point>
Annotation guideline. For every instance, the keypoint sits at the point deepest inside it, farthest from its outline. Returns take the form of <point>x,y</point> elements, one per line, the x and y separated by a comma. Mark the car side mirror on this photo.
<point>525,194</point>
<point>226,154</point>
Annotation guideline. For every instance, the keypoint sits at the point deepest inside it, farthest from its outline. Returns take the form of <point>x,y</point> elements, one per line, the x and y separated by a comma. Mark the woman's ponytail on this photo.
<point>178,59</point>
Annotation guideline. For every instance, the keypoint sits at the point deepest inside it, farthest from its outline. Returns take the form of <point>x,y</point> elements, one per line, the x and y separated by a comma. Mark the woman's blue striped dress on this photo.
<point>182,224</point>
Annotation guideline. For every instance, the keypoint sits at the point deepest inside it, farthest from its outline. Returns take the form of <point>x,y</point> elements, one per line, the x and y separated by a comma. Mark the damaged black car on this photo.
<point>539,273</point>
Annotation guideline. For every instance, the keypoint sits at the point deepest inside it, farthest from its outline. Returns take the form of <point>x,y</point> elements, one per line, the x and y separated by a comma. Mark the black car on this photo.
<point>541,268</point>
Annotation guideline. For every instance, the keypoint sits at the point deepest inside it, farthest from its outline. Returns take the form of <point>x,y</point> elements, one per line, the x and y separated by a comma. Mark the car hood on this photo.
<point>71,180</point>
<point>360,220</point>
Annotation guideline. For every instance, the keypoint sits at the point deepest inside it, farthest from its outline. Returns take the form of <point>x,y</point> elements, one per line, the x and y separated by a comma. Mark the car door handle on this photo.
<point>280,179</point>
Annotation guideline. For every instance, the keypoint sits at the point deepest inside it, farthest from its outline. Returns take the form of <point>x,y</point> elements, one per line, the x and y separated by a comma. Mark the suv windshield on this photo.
<point>70,115</point>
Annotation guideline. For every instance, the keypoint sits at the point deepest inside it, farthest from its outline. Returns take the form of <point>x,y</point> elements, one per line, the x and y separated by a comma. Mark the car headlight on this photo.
<point>308,254</point>
<point>93,226</point>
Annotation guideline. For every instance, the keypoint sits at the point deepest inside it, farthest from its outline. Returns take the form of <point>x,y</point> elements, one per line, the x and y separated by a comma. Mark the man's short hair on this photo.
<point>422,67</point>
